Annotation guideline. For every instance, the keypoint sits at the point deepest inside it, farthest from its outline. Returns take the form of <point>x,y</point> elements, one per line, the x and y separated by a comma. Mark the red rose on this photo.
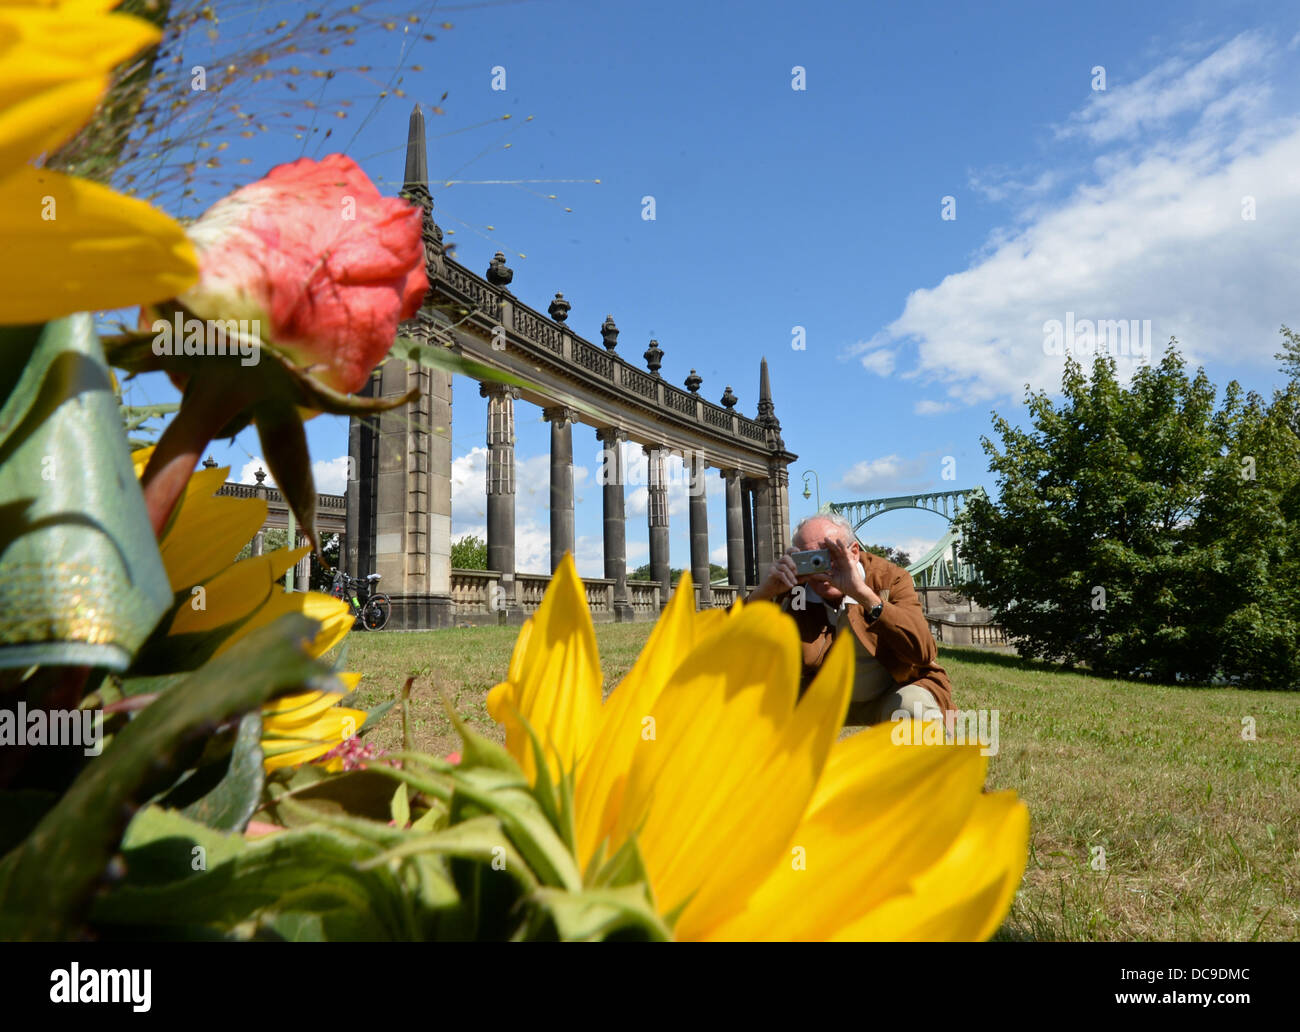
<point>326,264</point>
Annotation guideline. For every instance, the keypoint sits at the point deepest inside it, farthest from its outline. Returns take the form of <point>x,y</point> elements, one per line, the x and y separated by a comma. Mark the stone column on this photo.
<point>410,450</point>
<point>657,517</point>
<point>763,552</point>
<point>735,531</point>
<point>700,529</point>
<point>561,420</point>
<point>501,484</point>
<point>780,496</point>
<point>259,542</point>
<point>747,522</point>
<point>349,558</point>
<point>363,460</point>
<point>612,481</point>
<point>438,458</point>
<point>302,569</point>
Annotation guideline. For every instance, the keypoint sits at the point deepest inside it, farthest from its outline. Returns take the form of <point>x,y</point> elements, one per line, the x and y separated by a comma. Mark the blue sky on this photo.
<point>823,208</point>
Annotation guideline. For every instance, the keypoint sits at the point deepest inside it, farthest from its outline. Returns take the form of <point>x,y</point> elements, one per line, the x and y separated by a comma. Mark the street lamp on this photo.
<point>817,480</point>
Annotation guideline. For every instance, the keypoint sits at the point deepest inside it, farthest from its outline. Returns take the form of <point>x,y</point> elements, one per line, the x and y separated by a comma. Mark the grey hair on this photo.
<point>830,517</point>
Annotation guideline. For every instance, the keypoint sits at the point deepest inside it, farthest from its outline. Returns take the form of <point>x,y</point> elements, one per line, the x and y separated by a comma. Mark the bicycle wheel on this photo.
<point>374,617</point>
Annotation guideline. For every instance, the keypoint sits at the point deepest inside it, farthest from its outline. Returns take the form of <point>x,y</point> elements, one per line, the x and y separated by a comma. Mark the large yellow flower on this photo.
<point>300,728</point>
<point>753,821</point>
<point>198,548</point>
<point>72,244</point>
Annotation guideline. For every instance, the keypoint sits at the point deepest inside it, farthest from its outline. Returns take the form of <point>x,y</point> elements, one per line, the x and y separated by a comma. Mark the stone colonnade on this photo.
<point>749,504</point>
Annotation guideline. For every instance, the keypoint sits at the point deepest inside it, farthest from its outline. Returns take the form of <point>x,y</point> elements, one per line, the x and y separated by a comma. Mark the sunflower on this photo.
<point>197,548</point>
<point>752,820</point>
<point>301,728</point>
<point>73,244</point>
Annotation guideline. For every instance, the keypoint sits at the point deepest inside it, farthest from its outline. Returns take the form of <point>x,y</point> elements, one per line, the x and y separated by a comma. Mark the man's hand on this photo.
<point>780,579</point>
<point>846,574</point>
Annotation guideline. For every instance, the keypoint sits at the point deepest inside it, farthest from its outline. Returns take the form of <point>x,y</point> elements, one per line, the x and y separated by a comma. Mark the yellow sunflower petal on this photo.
<point>208,531</point>
<point>554,678</point>
<point>288,740</point>
<point>78,246</point>
<point>683,790</point>
<point>333,614</point>
<point>301,708</point>
<point>140,459</point>
<point>236,592</point>
<point>882,814</point>
<point>54,67</point>
<point>767,810</point>
<point>967,893</point>
<point>599,788</point>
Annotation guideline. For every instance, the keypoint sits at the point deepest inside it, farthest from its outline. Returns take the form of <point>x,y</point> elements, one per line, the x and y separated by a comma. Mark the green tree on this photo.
<point>1290,353</point>
<point>1093,552</point>
<point>469,553</point>
<point>642,573</point>
<point>1250,523</point>
<point>894,555</point>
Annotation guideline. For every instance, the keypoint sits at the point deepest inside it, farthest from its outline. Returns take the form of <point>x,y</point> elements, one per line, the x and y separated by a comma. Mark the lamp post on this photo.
<point>816,480</point>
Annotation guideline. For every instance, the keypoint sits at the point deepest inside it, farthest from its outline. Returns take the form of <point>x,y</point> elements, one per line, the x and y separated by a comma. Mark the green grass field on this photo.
<point>1200,828</point>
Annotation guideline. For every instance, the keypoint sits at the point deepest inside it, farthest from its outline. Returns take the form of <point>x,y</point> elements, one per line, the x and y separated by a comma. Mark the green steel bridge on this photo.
<point>940,566</point>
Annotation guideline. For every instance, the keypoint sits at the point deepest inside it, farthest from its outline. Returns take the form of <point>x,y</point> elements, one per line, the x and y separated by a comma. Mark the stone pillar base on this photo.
<point>623,612</point>
<point>421,613</point>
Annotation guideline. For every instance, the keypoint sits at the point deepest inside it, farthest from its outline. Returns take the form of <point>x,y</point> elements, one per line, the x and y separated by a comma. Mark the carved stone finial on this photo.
<point>609,333</point>
<point>259,476</point>
<point>654,357</point>
<point>209,463</point>
<point>766,410</point>
<point>498,273</point>
<point>559,308</point>
<point>728,398</point>
<point>693,382</point>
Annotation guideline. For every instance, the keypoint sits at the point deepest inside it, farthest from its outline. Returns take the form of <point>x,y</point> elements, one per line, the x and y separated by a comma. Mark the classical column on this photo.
<point>501,483</point>
<point>780,509</point>
<point>259,542</point>
<point>699,510</point>
<point>747,522</point>
<point>349,557</point>
<point>561,420</point>
<point>612,480</point>
<point>735,531</point>
<point>657,517</point>
<point>302,569</point>
<point>764,554</point>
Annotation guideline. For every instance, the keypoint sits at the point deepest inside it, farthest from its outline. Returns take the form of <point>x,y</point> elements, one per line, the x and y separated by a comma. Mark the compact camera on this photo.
<point>815,560</point>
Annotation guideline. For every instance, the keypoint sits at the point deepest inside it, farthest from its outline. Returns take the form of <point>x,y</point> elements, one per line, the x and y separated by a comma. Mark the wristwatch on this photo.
<point>873,614</point>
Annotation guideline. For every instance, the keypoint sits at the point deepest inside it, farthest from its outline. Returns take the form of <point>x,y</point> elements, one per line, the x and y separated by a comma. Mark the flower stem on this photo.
<point>202,415</point>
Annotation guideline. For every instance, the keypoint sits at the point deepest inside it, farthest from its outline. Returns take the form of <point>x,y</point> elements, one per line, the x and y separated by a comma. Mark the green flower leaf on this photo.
<point>47,881</point>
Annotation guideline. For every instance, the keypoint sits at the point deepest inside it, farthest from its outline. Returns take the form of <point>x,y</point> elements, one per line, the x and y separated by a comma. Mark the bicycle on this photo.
<point>373,612</point>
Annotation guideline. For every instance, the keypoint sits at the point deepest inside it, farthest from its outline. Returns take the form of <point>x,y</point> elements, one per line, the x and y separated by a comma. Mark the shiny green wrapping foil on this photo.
<point>81,580</point>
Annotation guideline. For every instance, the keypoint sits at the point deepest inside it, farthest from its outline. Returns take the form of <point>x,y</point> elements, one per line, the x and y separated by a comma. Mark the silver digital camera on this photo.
<point>815,560</point>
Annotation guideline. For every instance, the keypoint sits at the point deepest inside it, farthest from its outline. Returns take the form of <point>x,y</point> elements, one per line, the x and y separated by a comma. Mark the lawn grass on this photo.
<point>1200,828</point>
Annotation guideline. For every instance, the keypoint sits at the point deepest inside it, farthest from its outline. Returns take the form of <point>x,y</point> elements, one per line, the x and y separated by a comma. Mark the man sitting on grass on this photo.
<point>875,600</point>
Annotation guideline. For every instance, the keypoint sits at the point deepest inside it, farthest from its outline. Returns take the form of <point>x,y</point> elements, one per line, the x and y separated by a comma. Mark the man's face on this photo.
<point>815,534</point>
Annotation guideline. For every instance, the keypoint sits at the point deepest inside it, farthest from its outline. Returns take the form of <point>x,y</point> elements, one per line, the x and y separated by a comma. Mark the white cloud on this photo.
<point>1176,87</point>
<point>888,475</point>
<point>331,475</point>
<point>1154,231</point>
<point>926,407</point>
<point>252,466</point>
<point>999,184</point>
<point>880,362</point>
